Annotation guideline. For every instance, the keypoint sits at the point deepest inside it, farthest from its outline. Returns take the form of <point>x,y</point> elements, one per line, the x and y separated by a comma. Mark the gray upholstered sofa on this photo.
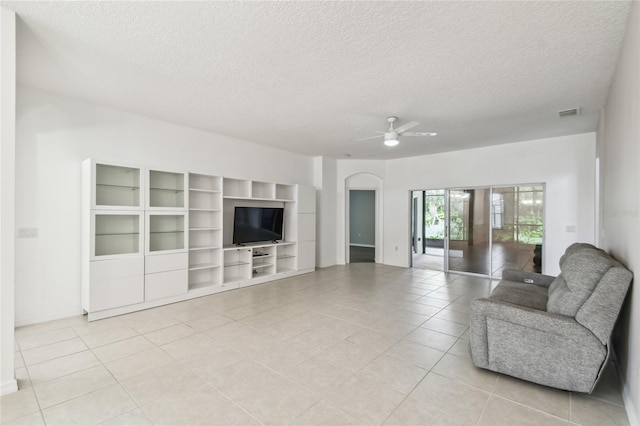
<point>552,331</point>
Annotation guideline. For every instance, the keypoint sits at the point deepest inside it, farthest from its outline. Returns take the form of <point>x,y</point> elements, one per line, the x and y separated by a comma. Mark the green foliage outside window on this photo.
<point>523,218</point>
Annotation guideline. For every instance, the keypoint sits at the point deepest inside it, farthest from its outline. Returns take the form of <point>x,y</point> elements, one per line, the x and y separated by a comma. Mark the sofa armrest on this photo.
<point>566,328</point>
<point>527,277</point>
<point>537,346</point>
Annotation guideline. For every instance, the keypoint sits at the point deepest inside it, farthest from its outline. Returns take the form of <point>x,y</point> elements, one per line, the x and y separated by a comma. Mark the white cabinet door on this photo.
<point>166,190</point>
<point>306,255</point>
<point>166,232</point>
<point>165,263</point>
<point>115,234</point>
<point>114,283</point>
<point>116,268</point>
<point>165,284</point>
<point>306,227</point>
<point>112,186</point>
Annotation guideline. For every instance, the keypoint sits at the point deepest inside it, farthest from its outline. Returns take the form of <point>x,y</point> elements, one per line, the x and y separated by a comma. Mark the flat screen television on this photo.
<point>255,224</point>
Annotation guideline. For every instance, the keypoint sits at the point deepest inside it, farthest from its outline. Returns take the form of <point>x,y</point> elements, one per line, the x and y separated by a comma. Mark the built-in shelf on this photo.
<point>286,257</point>
<point>110,234</point>
<point>261,266</point>
<point>166,190</point>
<point>115,233</point>
<point>108,185</point>
<point>166,232</point>
<point>235,263</point>
<point>207,247</point>
<point>115,186</point>
<point>205,230</point>
<point>231,197</point>
<point>152,237</point>
<point>202,266</point>
<point>203,285</point>
<point>262,256</point>
<point>208,191</point>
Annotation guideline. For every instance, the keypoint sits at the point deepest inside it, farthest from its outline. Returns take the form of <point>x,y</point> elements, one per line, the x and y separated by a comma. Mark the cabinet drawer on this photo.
<point>165,284</point>
<point>165,262</point>
<point>117,292</point>
<point>101,270</point>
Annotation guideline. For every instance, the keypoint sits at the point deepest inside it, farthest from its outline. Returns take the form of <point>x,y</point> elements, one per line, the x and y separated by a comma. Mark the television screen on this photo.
<point>254,224</point>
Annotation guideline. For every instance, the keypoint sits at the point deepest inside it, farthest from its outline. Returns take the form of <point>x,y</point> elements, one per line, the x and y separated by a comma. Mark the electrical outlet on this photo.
<point>27,232</point>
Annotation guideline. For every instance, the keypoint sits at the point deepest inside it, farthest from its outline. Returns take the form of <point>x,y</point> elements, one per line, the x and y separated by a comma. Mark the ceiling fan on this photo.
<point>392,135</point>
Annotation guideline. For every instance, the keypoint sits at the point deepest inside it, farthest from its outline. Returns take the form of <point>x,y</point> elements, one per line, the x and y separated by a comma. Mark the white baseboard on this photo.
<point>630,407</point>
<point>9,386</point>
<point>21,322</point>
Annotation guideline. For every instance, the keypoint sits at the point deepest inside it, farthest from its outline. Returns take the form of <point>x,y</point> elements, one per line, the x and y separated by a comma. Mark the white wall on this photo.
<point>326,187</point>
<point>565,164</point>
<point>7,197</point>
<point>55,134</point>
<point>620,157</point>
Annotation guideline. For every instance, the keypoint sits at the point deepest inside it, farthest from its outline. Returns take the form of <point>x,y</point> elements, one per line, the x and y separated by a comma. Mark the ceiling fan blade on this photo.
<point>419,134</point>
<point>368,137</point>
<point>407,126</point>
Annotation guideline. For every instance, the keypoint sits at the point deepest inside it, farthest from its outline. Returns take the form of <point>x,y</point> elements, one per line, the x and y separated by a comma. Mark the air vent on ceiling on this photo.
<point>568,112</point>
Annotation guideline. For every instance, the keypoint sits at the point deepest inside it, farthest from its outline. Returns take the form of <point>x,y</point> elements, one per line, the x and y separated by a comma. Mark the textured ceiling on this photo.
<point>310,77</point>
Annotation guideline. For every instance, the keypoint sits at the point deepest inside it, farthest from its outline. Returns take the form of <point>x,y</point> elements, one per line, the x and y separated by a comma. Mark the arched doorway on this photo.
<point>363,194</point>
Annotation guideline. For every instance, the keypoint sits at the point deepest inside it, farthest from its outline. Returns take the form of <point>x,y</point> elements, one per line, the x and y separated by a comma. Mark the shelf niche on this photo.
<point>166,232</point>
<point>117,186</point>
<point>116,234</point>
<point>166,190</point>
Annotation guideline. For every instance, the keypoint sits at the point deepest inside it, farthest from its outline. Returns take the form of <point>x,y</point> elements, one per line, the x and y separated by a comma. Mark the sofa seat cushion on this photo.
<point>581,271</point>
<point>528,295</point>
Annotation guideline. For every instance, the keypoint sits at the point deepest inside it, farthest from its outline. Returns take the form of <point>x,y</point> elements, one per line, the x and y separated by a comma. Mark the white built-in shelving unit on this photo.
<point>113,236</point>
<point>166,239</point>
<point>154,236</point>
<point>205,232</point>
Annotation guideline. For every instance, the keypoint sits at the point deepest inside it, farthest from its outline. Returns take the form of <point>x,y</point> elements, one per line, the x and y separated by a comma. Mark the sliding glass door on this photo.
<point>428,229</point>
<point>517,228</point>
<point>482,230</point>
<point>469,231</point>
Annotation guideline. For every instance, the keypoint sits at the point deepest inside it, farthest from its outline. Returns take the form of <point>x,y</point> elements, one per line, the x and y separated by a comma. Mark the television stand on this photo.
<point>263,260</point>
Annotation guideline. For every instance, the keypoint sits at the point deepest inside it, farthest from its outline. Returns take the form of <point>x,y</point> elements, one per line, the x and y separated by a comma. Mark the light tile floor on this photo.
<point>346,345</point>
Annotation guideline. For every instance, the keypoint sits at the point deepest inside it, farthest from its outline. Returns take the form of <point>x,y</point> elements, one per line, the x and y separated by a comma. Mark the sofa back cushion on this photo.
<point>600,312</point>
<point>581,271</point>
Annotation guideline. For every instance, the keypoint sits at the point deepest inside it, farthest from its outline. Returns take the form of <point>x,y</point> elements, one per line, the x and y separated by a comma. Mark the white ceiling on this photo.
<point>310,77</point>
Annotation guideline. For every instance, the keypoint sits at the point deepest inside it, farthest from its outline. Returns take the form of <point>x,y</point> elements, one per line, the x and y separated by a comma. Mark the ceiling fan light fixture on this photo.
<point>391,142</point>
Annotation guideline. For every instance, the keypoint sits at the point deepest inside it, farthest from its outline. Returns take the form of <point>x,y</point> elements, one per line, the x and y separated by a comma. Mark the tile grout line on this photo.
<point>346,285</point>
<point>533,408</point>
<point>570,407</point>
<point>33,389</point>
